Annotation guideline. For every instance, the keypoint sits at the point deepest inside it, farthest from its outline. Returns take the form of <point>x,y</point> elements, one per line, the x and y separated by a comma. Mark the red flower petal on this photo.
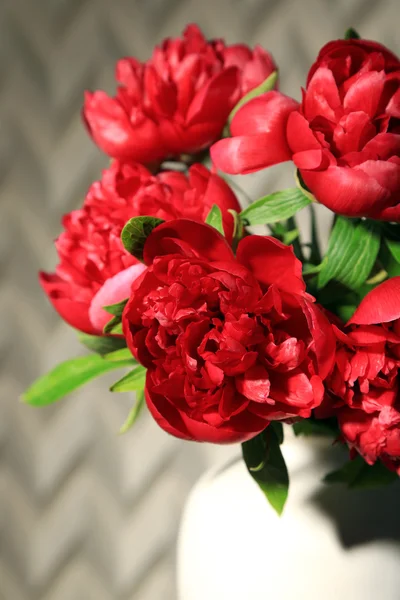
<point>112,130</point>
<point>347,191</point>
<point>322,96</point>
<point>384,145</point>
<point>340,49</point>
<point>365,93</point>
<point>386,173</point>
<point>184,236</point>
<point>258,135</point>
<point>294,390</point>
<point>380,305</point>
<point>247,154</point>
<point>255,384</point>
<point>215,100</point>
<point>299,134</point>
<point>238,429</point>
<point>272,263</point>
<point>75,313</point>
<point>216,191</point>
<point>323,337</point>
<point>267,113</point>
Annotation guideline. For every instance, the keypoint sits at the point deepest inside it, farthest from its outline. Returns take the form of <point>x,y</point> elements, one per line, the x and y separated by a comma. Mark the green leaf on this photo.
<point>134,412</point>
<point>313,426</point>
<point>345,311</point>
<point>378,277</point>
<point>297,249</point>
<point>67,377</point>
<point>135,233</point>
<point>352,252</point>
<point>113,327</point>
<point>278,429</point>
<point>290,236</point>
<point>214,218</point>
<point>302,186</point>
<point>265,463</point>
<point>134,380</point>
<point>266,86</point>
<point>101,344</point>
<point>309,269</point>
<point>351,34</point>
<point>394,248</point>
<point>121,354</point>
<point>275,207</point>
<point>357,473</point>
<point>116,309</point>
<point>387,259</point>
<point>340,239</point>
<point>392,239</point>
<point>365,248</point>
<point>315,254</point>
<point>237,224</point>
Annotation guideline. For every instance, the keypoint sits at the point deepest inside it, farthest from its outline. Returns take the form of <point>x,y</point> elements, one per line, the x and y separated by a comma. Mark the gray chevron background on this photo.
<point>86,514</point>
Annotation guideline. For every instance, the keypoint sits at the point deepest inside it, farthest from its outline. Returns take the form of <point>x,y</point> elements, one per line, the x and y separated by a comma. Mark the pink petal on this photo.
<point>114,290</point>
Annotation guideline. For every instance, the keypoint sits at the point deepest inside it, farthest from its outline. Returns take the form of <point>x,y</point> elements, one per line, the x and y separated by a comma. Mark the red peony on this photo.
<point>230,343</point>
<point>95,270</point>
<point>366,379</point>
<point>344,137</point>
<point>178,101</point>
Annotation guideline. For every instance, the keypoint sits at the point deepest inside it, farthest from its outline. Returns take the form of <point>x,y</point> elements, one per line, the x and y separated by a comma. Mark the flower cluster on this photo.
<point>95,270</point>
<point>364,384</point>
<point>344,137</point>
<point>178,101</point>
<point>229,343</point>
<point>230,332</point>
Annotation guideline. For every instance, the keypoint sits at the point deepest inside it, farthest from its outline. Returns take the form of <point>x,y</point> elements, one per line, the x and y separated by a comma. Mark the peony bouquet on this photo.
<point>222,333</point>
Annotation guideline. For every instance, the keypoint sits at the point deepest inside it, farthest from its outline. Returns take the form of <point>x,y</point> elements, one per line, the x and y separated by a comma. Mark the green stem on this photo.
<point>296,243</point>
<point>315,255</point>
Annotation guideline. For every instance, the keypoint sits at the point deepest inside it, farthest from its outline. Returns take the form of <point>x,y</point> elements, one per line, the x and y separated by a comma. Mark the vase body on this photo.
<point>331,543</point>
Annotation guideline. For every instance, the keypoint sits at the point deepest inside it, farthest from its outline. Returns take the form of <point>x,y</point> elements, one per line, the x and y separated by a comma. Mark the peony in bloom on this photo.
<point>229,343</point>
<point>95,270</point>
<point>344,137</point>
<point>364,383</point>
<point>178,101</point>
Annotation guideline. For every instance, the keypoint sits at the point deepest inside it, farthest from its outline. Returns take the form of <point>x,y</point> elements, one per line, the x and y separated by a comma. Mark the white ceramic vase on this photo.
<point>329,544</point>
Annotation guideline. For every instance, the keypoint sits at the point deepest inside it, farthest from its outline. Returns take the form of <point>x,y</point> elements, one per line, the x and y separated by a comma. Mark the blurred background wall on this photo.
<point>86,514</point>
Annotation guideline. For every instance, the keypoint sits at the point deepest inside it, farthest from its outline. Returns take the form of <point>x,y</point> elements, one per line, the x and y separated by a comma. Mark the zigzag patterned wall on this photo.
<point>85,514</point>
